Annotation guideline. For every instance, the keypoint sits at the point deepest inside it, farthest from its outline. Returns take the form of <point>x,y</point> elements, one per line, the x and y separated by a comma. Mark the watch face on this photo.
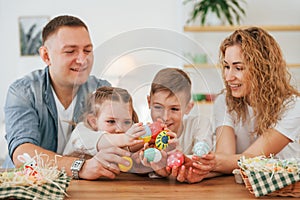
<point>77,164</point>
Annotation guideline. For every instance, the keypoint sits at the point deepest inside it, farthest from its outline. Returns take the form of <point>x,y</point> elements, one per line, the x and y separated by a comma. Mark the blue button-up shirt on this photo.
<point>31,114</point>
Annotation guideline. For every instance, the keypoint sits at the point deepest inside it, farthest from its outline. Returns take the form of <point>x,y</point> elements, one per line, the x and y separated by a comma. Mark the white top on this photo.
<point>83,141</point>
<point>288,125</point>
<point>64,122</point>
<point>195,129</point>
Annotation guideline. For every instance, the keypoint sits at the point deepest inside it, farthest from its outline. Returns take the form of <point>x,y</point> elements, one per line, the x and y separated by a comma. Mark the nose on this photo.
<point>120,128</point>
<point>165,115</point>
<point>81,58</point>
<point>229,75</point>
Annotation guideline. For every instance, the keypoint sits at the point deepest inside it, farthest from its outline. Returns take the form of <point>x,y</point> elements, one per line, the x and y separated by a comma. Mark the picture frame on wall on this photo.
<point>30,31</point>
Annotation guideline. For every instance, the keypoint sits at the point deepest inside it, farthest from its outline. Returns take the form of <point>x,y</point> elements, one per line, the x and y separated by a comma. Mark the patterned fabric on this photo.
<point>54,190</point>
<point>264,182</point>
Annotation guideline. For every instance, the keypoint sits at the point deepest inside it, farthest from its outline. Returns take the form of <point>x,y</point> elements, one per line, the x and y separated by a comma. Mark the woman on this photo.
<point>258,113</point>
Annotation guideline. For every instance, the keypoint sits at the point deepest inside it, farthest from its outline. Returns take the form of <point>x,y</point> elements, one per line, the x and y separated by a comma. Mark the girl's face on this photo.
<point>235,72</point>
<point>169,108</point>
<point>114,117</point>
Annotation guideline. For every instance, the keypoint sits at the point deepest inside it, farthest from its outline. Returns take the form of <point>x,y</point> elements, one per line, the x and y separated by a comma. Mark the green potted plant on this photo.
<point>228,10</point>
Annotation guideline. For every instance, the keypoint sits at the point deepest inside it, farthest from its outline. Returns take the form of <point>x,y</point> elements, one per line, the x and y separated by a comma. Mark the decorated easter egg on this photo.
<point>175,159</point>
<point>155,129</point>
<point>124,168</point>
<point>201,148</point>
<point>152,155</point>
<point>162,139</point>
<point>147,136</point>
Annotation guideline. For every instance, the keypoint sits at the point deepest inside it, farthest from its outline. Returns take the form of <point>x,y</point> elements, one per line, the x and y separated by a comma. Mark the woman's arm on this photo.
<point>226,157</point>
<point>271,142</point>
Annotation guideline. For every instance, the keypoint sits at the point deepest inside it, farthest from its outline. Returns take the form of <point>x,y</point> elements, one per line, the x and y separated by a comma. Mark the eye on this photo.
<point>240,68</point>
<point>226,66</point>
<point>128,122</point>
<point>175,109</point>
<point>111,121</point>
<point>87,51</point>
<point>157,107</point>
<point>69,51</point>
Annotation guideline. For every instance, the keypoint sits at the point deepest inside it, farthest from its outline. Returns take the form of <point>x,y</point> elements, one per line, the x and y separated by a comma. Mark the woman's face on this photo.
<point>235,72</point>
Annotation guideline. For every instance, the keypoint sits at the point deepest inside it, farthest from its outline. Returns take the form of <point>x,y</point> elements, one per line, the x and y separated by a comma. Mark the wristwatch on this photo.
<point>76,167</point>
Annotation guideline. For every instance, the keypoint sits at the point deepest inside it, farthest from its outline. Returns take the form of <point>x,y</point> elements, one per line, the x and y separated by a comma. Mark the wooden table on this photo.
<point>130,186</point>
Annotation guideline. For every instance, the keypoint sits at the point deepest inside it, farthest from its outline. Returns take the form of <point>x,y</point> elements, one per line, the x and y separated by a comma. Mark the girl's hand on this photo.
<point>131,136</point>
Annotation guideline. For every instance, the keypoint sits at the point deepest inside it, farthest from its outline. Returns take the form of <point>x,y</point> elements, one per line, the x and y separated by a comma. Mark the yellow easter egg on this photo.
<point>124,168</point>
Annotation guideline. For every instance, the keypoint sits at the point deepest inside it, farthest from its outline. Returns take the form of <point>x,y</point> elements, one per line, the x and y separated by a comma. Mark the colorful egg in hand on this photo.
<point>162,139</point>
<point>175,159</point>
<point>155,129</point>
<point>147,136</point>
<point>152,155</point>
<point>201,148</point>
<point>124,168</point>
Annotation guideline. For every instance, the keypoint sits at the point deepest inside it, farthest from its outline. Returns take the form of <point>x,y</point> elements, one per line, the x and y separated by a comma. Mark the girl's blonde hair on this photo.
<point>267,76</point>
<point>105,93</point>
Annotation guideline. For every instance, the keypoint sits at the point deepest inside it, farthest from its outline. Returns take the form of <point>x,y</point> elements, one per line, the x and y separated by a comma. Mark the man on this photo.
<point>41,107</point>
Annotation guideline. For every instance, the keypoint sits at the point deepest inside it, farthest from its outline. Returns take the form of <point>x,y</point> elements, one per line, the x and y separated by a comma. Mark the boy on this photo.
<point>170,101</point>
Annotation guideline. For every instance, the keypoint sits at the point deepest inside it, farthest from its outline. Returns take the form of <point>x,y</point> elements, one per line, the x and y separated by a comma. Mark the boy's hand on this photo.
<point>158,167</point>
<point>173,141</point>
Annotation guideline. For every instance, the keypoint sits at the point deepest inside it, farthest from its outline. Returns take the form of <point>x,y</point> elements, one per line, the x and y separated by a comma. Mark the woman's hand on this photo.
<point>195,169</point>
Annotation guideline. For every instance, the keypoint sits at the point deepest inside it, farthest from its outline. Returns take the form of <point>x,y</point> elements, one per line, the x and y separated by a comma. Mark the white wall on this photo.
<point>108,19</point>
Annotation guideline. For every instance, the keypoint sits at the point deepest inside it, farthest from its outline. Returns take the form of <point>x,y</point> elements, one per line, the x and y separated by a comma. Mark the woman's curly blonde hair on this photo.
<point>266,74</point>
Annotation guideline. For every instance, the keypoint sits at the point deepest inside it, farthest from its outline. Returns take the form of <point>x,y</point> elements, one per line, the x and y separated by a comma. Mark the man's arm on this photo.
<point>63,162</point>
<point>103,164</point>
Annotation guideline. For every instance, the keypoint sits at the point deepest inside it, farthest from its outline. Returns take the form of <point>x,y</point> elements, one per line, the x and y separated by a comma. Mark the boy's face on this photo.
<point>114,117</point>
<point>170,108</point>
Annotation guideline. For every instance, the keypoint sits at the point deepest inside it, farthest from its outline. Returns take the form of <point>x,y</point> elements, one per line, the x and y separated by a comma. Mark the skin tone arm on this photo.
<point>122,140</point>
<point>93,168</point>
<point>270,143</point>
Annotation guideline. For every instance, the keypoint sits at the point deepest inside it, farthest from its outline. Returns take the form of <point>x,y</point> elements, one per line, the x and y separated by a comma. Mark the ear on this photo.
<point>148,100</point>
<point>92,121</point>
<point>44,55</point>
<point>189,107</point>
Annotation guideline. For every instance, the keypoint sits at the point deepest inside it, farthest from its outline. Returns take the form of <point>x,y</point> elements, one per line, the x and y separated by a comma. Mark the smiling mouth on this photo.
<point>234,86</point>
<point>80,69</point>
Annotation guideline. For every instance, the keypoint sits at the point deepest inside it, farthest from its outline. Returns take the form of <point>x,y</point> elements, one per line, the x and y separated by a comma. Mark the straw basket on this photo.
<point>292,190</point>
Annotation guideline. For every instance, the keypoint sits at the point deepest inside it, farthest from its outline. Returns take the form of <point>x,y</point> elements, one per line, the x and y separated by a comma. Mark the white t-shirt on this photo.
<point>64,120</point>
<point>288,125</point>
<point>195,129</point>
<point>83,141</point>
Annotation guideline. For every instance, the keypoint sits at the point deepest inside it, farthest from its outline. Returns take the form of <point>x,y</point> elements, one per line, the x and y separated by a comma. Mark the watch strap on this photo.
<point>76,167</point>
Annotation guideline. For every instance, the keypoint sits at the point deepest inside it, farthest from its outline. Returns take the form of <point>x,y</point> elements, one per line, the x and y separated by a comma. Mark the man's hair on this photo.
<point>60,21</point>
<point>173,80</point>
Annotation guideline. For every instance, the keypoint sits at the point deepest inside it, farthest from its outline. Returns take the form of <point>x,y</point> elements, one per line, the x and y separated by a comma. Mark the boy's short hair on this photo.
<point>173,80</point>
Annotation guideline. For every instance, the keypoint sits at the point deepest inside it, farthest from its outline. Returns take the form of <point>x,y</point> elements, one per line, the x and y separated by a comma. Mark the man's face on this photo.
<point>70,56</point>
<point>169,108</point>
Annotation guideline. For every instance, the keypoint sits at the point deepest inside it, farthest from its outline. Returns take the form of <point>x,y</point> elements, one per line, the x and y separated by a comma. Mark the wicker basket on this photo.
<point>292,190</point>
